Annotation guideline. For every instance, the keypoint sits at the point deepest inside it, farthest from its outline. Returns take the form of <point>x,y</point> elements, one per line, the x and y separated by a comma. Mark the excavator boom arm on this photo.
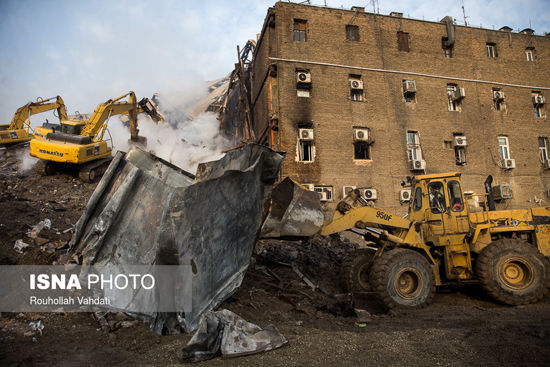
<point>32,108</point>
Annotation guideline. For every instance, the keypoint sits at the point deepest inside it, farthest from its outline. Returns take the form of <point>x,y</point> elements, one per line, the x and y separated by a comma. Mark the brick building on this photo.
<point>363,100</point>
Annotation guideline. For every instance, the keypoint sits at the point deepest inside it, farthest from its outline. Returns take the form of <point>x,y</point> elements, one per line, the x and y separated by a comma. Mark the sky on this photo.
<point>88,51</point>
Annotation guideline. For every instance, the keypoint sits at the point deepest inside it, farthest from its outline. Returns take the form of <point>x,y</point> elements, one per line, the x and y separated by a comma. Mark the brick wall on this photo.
<point>383,110</point>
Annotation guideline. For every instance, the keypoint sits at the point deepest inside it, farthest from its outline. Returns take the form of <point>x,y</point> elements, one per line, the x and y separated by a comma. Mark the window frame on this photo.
<point>530,54</point>
<point>352,33</point>
<point>299,30</point>
<point>491,50</point>
<point>543,150</point>
<point>503,148</point>
<point>301,146</point>
<point>414,146</point>
<point>452,199</point>
<point>403,44</point>
<point>452,104</point>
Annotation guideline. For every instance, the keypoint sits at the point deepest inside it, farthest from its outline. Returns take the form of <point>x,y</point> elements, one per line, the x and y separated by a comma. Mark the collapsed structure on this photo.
<point>362,100</point>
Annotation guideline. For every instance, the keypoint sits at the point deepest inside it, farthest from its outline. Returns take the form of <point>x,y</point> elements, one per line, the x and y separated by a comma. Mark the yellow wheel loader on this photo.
<point>79,143</point>
<point>17,131</point>
<point>443,240</point>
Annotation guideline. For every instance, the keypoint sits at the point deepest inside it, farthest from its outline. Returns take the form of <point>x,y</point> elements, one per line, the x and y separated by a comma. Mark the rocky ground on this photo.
<point>461,327</point>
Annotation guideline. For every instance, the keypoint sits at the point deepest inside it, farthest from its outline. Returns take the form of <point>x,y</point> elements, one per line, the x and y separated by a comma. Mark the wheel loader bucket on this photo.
<point>294,211</point>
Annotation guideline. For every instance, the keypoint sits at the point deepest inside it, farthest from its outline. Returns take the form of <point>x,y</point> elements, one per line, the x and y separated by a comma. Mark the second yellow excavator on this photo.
<point>17,131</point>
<point>79,143</point>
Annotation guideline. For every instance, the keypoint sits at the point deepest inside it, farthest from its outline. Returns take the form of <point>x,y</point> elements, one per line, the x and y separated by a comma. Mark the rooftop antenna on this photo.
<point>464,14</point>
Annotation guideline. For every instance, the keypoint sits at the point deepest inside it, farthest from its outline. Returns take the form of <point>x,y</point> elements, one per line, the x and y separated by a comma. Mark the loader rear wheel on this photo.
<point>513,272</point>
<point>402,278</point>
<point>355,271</point>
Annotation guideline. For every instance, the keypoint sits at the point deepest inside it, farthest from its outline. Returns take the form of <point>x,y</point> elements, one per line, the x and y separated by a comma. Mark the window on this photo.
<point>498,99</point>
<point>356,87</point>
<point>352,33</point>
<point>361,149</point>
<point>491,50</point>
<point>530,53</point>
<point>504,148</point>
<point>538,104</point>
<point>447,50</point>
<point>409,90</point>
<point>325,192</point>
<point>300,26</point>
<point>414,151</point>
<point>403,41</point>
<point>305,151</point>
<point>417,203</point>
<point>455,196</point>
<point>543,149</point>
<point>460,155</point>
<point>437,197</point>
<point>454,95</point>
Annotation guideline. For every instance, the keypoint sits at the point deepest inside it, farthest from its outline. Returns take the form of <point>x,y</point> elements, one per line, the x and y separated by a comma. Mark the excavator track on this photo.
<point>90,172</point>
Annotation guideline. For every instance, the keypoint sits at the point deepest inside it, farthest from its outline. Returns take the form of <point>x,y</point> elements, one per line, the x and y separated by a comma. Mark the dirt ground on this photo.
<point>462,327</point>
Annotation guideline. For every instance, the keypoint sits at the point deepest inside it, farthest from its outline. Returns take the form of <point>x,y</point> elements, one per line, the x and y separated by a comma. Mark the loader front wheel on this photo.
<point>402,278</point>
<point>513,272</point>
<point>355,271</point>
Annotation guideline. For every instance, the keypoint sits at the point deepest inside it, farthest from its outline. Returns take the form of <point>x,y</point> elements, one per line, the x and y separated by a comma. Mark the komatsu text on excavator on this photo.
<point>80,144</point>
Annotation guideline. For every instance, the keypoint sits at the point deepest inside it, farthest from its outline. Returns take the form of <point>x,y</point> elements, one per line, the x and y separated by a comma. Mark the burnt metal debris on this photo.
<point>146,211</point>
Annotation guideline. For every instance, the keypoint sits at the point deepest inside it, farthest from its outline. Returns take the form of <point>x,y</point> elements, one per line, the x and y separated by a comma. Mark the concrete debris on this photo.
<point>37,326</point>
<point>227,334</point>
<point>211,224</point>
<point>37,228</point>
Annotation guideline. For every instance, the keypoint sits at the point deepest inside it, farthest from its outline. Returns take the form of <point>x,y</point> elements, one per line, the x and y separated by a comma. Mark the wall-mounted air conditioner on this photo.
<point>361,134</point>
<point>405,195</point>
<point>460,141</point>
<point>310,187</point>
<point>508,163</point>
<point>356,84</point>
<point>502,192</point>
<point>498,95</point>
<point>538,99</point>
<point>409,86</point>
<point>417,165</point>
<point>346,190</point>
<point>370,194</point>
<point>303,77</point>
<point>305,134</point>
<point>459,93</point>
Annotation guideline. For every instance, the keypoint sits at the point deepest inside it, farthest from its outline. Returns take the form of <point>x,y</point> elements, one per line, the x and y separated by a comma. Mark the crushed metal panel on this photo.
<point>146,211</point>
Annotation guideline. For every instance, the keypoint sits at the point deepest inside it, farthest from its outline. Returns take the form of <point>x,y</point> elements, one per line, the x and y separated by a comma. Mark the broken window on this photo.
<point>325,192</point>
<point>403,41</point>
<point>538,104</point>
<point>543,149</point>
<point>414,151</point>
<point>305,151</point>
<point>447,50</point>
<point>498,99</point>
<point>460,155</point>
<point>530,53</point>
<point>356,87</point>
<point>361,149</point>
<point>300,27</point>
<point>352,33</point>
<point>491,50</point>
<point>454,96</point>
<point>504,148</point>
<point>409,90</point>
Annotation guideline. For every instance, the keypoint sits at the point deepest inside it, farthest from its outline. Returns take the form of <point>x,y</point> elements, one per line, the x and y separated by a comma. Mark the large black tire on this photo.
<point>513,272</point>
<point>355,271</point>
<point>402,278</point>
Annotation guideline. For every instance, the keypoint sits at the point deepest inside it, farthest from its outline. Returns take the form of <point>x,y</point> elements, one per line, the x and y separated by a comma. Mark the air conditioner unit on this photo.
<point>503,191</point>
<point>356,84</point>
<point>409,86</point>
<point>305,134</point>
<point>361,134</point>
<point>546,163</point>
<point>538,99</point>
<point>417,165</point>
<point>370,194</point>
<point>460,141</point>
<point>309,187</point>
<point>346,190</point>
<point>405,195</point>
<point>498,95</point>
<point>323,195</point>
<point>459,93</point>
<point>509,163</point>
<point>303,77</point>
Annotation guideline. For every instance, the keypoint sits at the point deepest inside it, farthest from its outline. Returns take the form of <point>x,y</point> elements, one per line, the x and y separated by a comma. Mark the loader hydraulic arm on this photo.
<point>32,108</point>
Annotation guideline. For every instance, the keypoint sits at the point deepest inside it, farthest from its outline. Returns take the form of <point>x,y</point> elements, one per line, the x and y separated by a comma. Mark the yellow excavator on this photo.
<point>17,131</point>
<point>447,238</point>
<point>79,143</point>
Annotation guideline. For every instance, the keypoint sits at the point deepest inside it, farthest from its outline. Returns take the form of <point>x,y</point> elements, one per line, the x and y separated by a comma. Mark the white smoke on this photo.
<point>25,160</point>
<point>180,141</point>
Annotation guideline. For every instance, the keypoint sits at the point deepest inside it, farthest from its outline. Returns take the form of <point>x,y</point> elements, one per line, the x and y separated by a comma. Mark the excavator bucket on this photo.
<point>151,108</point>
<point>294,212</point>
